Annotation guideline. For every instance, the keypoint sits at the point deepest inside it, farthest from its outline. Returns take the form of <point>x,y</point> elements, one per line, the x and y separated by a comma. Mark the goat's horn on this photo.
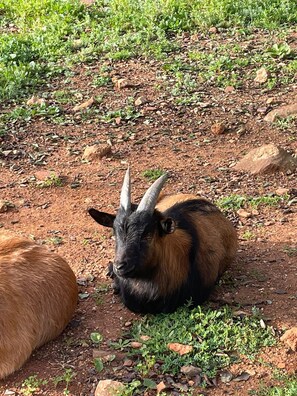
<point>150,198</point>
<point>125,201</point>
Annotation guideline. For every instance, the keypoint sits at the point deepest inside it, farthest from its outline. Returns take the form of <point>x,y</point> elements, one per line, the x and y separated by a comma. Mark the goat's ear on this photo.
<point>102,218</point>
<point>168,225</point>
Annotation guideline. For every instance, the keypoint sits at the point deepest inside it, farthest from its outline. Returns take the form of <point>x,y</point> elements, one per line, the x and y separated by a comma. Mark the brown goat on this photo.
<point>38,296</point>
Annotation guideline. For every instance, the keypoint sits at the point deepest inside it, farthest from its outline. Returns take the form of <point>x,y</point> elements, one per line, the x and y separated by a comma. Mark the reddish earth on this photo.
<point>166,136</point>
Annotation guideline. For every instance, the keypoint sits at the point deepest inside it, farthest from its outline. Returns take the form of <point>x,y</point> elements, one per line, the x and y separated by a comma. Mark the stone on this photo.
<point>282,191</point>
<point>267,159</point>
<point>109,388</point>
<point>96,151</point>
<point>218,128</point>
<point>290,338</point>
<point>261,75</point>
<point>120,83</point>
<point>226,376</point>
<point>229,89</point>
<point>190,371</point>
<point>181,349</point>
<point>136,344</point>
<point>281,112</point>
<point>3,206</point>
<point>243,213</point>
<point>35,100</point>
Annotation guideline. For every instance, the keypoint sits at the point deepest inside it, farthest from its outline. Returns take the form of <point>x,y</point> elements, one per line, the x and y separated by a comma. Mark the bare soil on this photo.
<point>166,136</point>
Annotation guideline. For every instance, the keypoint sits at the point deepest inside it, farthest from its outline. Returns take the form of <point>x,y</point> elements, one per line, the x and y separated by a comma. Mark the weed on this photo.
<point>96,338</point>
<point>152,174</point>
<point>31,385</point>
<point>291,251</point>
<point>234,202</point>
<point>248,235</point>
<point>216,336</point>
<point>66,377</point>
<point>287,123</point>
<point>287,387</point>
<point>281,51</point>
<point>99,291</point>
<point>53,180</point>
<point>55,240</point>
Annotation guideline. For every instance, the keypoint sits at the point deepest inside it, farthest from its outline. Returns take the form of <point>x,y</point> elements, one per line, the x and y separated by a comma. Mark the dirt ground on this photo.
<point>169,137</point>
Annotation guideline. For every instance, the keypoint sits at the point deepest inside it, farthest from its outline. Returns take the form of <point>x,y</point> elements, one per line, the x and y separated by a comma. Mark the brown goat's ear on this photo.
<point>102,218</point>
<point>168,225</point>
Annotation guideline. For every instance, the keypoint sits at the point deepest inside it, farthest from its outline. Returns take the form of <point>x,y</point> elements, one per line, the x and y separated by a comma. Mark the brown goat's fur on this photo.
<point>38,296</point>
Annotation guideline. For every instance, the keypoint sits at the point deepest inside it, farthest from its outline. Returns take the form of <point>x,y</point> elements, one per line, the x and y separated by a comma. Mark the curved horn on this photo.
<point>150,198</point>
<point>125,200</point>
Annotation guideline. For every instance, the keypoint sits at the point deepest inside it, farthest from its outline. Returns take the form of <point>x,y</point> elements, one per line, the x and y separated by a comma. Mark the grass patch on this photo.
<point>217,337</point>
<point>234,202</point>
<point>153,174</point>
<point>287,387</point>
<point>40,39</point>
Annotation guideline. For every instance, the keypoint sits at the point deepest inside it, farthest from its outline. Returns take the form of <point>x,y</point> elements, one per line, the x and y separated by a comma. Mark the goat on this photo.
<point>38,296</point>
<point>169,249</point>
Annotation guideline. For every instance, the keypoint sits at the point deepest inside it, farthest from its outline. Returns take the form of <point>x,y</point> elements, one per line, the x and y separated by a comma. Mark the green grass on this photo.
<point>234,202</point>
<point>153,174</point>
<point>217,337</point>
<point>41,39</point>
<point>287,387</point>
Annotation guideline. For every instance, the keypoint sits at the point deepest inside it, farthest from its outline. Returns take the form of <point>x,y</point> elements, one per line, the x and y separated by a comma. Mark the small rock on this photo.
<point>213,29</point>
<point>229,89</point>
<point>96,152</point>
<point>281,112</point>
<point>261,75</point>
<point>140,100</point>
<point>105,356</point>
<point>181,349</point>
<point>136,344</point>
<point>9,392</point>
<point>84,105</point>
<point>270,100</point>
<point>3,206</point>
<point>243,213</point>
<point>267,159</point>
<point>128,324</point>
<point>282,191</point>
<point>35,100</point>
<point>226,376</point>
<point>128,363</point>
<point>244,376</point>
<point>109,388</point>
<point>190,371</point>
<point>218,128</point>
<point>290,338</point>
<point>145,338</point>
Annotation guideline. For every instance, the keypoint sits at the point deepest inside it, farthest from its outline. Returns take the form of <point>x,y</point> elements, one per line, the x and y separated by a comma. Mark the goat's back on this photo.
<point>216,238</point>
<point>38,296</point>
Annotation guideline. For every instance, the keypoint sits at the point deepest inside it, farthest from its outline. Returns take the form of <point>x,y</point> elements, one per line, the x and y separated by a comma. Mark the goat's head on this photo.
<point>135,228</point>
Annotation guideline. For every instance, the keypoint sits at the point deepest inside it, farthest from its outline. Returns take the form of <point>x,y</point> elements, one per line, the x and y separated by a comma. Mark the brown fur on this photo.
<point>38,296</point>
<point>217,246</point>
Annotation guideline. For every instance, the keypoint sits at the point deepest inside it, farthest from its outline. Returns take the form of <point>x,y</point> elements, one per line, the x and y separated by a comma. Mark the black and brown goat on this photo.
<point>169,249</point>
<point>38,296</point>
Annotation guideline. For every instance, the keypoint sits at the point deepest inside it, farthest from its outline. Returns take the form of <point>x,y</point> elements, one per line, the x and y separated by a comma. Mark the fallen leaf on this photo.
<point>181,349</point>
<point>160,387</point>
<point>84,105</point>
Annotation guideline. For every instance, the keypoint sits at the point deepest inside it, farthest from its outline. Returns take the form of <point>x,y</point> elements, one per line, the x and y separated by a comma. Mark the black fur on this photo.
<point>192,290</point>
